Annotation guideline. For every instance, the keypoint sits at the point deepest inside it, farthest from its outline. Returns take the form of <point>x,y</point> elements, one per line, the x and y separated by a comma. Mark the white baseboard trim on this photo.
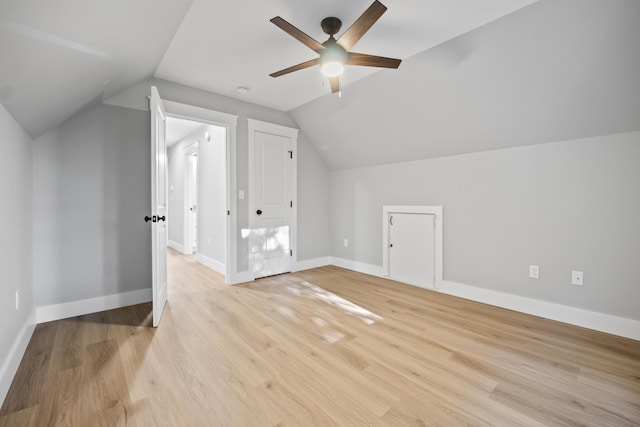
<point>615,325</point>
<point>601,322</point>
<point>216,266</point>
<point>12,360</point>
<point>360,267</point>
<point>175,245</point>
<point>308,264</point>
<point>240,277</point>
<point>65,310</point>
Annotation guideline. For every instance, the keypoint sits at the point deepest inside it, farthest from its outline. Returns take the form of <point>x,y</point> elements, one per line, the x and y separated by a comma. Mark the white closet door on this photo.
<point>412,248</point>
<point>271,237</point>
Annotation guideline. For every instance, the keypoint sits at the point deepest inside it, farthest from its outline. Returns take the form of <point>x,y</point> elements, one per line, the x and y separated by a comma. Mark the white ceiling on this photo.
<point>60,57</point>
<point>222,46</point>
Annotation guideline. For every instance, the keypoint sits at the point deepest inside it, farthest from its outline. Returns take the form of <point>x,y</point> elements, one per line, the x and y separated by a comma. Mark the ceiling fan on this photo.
<point>335,54</point>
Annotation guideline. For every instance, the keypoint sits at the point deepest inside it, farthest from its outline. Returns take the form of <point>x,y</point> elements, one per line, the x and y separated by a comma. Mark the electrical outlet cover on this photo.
<point>577,278</point>
<point>534,271</point>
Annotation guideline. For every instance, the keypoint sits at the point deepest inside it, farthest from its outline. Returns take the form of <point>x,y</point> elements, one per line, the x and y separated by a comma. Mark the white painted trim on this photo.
<point>241,277</point>
<point>189,112</point>
<point>308,264</point>
<point>230,121</point>
<point>175,245</point>
<point>628,328</point>
<point>287,132</point>
<point>65,310</point>
<point>360,267</point>
<point>216,266</point>
<point>438,249</point>
<point>12,361</point>
<point>272,128</point>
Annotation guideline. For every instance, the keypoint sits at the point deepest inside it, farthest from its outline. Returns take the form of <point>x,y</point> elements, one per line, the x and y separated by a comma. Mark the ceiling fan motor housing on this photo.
<point>331,25</point>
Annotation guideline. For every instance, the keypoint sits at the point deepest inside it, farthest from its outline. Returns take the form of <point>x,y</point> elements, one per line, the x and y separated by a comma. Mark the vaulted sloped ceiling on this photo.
<point>502,73</point>
<point>223,45</point>
<point>59,56</point>
<point>555,70</point>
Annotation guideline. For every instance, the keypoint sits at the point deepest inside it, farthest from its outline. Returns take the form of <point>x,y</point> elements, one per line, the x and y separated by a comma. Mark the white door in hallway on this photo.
<point>412,248</point>
<point>272,193</point>
<point>159,206</point>
<point>192,203</point>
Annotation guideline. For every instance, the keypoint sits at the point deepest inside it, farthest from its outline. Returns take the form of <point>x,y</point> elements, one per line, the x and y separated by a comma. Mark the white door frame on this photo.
<point>292,133</point>
<point>187,152</point>
<point>387,211</point>
<point>228,121</point>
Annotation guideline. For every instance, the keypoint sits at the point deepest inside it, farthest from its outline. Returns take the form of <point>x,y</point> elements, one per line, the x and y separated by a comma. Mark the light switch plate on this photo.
<point>534,271</point>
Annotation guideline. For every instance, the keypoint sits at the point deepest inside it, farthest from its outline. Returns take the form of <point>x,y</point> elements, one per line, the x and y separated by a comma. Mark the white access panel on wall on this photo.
<point>412,247</point>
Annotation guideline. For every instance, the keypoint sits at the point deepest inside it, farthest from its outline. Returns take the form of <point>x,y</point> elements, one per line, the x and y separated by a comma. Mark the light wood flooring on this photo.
<point>324,347</point>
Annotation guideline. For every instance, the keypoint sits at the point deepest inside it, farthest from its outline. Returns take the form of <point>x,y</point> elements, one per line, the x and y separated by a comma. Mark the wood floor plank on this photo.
<point>322,347</point>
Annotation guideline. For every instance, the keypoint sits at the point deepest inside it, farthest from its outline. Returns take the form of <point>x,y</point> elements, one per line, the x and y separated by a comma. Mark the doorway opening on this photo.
<point>197,186</point>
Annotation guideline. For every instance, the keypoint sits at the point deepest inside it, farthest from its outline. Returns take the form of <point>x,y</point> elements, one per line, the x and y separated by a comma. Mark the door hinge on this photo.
<point>290,154</point>
<point>291,204</point>
<point>290,252</point>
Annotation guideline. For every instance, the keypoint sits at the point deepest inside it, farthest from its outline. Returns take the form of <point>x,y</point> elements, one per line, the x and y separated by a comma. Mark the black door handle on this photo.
<point>154,218</point>
<point>259,212</point>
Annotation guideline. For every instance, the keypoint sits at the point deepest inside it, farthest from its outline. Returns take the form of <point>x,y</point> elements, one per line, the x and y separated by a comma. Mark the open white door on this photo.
<point>158,205</point>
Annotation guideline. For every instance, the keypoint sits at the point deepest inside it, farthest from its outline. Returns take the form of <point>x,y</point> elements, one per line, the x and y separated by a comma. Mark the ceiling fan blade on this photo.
<point>362,25</point>
<point>299,35</point>
<point>334,82</point>
<point>372,61</point>
<point>297,67</point>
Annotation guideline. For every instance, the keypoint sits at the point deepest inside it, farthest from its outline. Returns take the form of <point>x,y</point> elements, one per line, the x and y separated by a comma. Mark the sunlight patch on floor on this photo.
<point>309,290</point>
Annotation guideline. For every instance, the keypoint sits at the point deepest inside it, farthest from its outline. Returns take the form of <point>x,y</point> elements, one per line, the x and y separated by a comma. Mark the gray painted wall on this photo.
<point>314,240</point>
<point>15,235</point>
<point>552,71</point>
<point>92,188</point>
<point>91,185</point>
<point>563,206</point>
<point>311,216</point>
<point>212,196</point>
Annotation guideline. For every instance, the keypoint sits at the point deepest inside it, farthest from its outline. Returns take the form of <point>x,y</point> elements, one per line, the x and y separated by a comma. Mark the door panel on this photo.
<point>273,169</point>
<point>412,248</point>
<point>159,207</point>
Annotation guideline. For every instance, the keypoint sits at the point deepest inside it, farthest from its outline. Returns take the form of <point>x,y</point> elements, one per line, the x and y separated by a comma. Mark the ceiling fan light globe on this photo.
<point>332,69</point>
